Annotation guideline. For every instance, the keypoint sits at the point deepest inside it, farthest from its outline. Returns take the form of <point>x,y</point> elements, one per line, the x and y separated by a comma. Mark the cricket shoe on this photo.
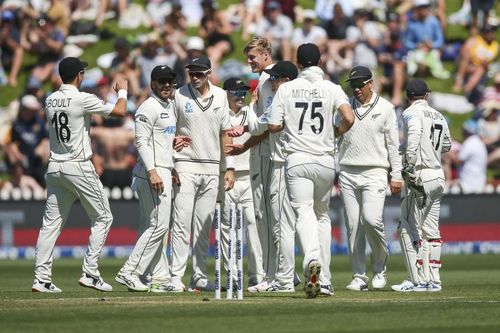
<point>201,285</point>
<point>161,288</point>
<point>177,285</point>
<point>296,279</point>
<point>275,287</point>
<point>44,287</point>
<point>132,282</point>
<point>421,287</point>
<point>312,287</point>
<point>95,283</point>
<point>405,286</point>
<point>379,280</point>
<point>357,284</point>
<point>258,288</point>
<point>326,290</point>
<point>433,286</point>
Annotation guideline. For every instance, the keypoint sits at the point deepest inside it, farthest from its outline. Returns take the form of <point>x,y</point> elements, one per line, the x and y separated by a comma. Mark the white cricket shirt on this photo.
<point>203,120</point>
<point>242,161</point>
<point>68,114</point>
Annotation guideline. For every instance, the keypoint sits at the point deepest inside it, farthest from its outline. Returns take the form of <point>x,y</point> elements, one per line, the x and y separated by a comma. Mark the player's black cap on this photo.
<point>201,63</point>
<point>308,55</point>
<point>162,72</point>
<point>360,73</point>
<point>70,66</point>
<point>283,68</point>
<point>416,88</point>
<point>235,84</point>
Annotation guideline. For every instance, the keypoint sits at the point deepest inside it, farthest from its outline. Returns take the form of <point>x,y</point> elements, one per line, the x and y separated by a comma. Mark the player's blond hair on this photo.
<point>261,44</point>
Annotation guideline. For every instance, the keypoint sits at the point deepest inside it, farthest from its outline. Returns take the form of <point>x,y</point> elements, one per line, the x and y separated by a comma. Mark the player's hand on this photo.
<point>395,186</point>
<point>233,149</point>
<point>409,173</point>
<point>236,131</point>
<point>175,178</point>
<point>255,96</point>
<point>156,181</point>
<point>181,141</point>
<point>120,84</point>
<point>229,179</point>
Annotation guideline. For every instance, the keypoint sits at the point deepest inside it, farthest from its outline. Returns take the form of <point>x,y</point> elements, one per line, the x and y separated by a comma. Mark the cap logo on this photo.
<point>352,73</point>
<point>196,59</point>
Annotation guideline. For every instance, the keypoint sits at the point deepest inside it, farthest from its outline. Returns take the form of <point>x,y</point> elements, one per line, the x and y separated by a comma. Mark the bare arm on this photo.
<point>346,120</point>
<point>120,109</point>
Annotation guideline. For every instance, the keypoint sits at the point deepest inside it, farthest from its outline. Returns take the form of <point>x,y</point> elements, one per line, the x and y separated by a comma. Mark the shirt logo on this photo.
<point>164,115</point>
<point>269,101</point>
<point>142,118</point>
<point>169,130</point>
<point>375,116</point>
<point>188,108</point>
<point>216,109</point>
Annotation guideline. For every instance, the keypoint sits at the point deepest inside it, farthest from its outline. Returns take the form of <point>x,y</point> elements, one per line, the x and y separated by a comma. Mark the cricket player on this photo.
<point>155,127</point>
<point>284,279</point>
<point>71,175</point>
<point>304,109</point>
<point>426,138</point>
<point>241,193</point>
<point>367,154</point>
<point>203,115</point>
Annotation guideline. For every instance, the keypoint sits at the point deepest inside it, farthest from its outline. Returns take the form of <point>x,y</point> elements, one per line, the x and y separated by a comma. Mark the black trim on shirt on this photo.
<point>355,108</point>
<point>195,98</point>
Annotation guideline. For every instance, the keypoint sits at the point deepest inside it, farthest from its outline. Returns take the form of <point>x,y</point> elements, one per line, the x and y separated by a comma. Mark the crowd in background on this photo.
<point>396,39</point>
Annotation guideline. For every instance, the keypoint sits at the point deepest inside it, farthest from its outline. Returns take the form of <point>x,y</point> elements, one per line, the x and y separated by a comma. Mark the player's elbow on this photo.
<point>120,108</point>
<point>274,128</point>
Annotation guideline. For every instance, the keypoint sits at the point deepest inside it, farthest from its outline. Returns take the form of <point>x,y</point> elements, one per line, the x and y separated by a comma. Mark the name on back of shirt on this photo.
<point>433,115</point>
<point>58,102</point>
<point>308,94</point>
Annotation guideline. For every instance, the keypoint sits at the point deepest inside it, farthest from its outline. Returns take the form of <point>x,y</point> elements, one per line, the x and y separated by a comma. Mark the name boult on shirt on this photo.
<point>58,103</point>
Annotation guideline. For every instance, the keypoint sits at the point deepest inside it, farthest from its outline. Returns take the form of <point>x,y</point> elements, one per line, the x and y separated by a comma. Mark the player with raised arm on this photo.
<point>426,138</point>
<point>304,109</point>
<point>71,175</point>
<point>155,127</point>
<point>367,154</point>
<point>203,115</point>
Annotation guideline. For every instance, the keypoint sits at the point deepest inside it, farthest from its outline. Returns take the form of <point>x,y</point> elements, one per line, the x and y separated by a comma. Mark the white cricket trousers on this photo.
<point>284,222</point>
<point>193,213</point>
<point>63,189</point>
<point>241,194</point>
<point>363,191</point>
<point>419,227</point>
<point>310,182</point>
<point>260,178</point>
<point>149,254</point>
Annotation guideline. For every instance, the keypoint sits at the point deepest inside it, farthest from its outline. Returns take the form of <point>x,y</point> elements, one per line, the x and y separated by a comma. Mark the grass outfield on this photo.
<point>469,302</point>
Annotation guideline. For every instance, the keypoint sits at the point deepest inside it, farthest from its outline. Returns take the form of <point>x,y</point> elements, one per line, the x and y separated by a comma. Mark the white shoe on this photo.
<point>132,282</point>
<point>161,288</point>
<point>421,287</point>
<point>312,287</point>
<point>357,284</point>
<point>201,285</point>
<point>44,287</point>
<point>275,287</point>
<point>326,290</point>
<point>261,287</point>
<point>177,285</point>
<point>95,283</point>
<point>379,280</point>
<point>405,286</point>
<point>434,286</point>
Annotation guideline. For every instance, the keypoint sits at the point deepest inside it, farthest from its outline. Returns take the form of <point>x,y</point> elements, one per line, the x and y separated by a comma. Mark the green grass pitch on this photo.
<point>469,302</point>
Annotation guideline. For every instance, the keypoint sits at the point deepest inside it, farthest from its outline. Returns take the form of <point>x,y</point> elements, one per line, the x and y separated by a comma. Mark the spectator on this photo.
<point>325,9</point>
<point>47,43</point>
<point>472,160</point>
<point>123,65</point>
<point>11,51</point>
<point>277,28</point>
<point>308,33</point>
<point>18,179</point>
<point>149,58</point>
<point>28,143</point>
<point>175,58</point>
<point>483,6</point>
<point>253,10</point>
<point>424,39</point>
<point>489,131</point>
<point>59,12</point>
<point>476,55</point>
<point>216,30</point>
<point>105,5</point>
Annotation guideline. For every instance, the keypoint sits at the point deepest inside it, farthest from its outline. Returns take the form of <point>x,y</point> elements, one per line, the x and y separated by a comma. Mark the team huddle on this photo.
<point>276,157</point>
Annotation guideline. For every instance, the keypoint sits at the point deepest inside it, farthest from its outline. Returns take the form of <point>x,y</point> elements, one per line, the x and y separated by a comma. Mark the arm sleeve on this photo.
<point>409,41</point>
<point>438,39</point>
<point>225,120</point>
<point>339,97</point>
<point>143,134</point>
<point>392,143</point>
<point>414,134</point>
<point>278,107</point>
<point>446,141</point>
<point>256,125</point>
<point>93,104</point>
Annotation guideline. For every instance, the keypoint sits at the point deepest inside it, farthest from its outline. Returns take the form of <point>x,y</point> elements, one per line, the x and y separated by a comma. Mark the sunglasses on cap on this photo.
<point>358,84</point>
<point>198,74</point>
<point>238,93</point>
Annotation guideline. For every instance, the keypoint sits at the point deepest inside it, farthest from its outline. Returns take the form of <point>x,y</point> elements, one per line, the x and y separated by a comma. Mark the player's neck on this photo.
<point>365,100</point>
<point>204,89</point>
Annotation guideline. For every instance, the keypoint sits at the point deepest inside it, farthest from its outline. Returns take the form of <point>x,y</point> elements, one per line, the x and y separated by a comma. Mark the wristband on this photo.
<point>230,162</point>
<point>122,93</point>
